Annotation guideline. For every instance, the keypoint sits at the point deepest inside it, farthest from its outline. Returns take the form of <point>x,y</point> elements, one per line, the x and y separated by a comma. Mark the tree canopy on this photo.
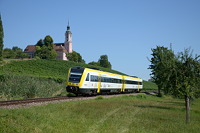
<point>103,60</point>
<point>178,75</point>
<point>75,57</point>
<point>44,48</point>
<point>15,52</point>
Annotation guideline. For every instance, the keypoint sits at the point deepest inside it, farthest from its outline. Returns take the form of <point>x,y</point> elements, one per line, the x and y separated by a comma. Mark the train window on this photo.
<point>88,77</point>
<point>131,82</point>
<point>110,80</point>
<point>75,78</point>
<point>94,78</point>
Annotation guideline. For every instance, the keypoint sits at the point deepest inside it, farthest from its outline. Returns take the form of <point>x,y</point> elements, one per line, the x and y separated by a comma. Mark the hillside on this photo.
<point>34,78</point>
<point>55,69</point>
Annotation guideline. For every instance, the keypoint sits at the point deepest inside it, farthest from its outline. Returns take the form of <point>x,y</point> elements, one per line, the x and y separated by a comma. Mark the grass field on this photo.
<point>124,114</point>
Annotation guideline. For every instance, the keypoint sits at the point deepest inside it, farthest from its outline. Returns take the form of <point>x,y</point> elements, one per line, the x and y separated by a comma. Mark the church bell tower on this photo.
<point>68,39</point>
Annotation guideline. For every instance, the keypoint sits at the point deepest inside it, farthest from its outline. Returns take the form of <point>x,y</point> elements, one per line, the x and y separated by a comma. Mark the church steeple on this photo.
<point>68,39</point>
<point>68,27</point>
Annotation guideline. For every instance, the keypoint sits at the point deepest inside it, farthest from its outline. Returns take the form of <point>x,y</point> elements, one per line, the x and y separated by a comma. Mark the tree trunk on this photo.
<point>187,105</point>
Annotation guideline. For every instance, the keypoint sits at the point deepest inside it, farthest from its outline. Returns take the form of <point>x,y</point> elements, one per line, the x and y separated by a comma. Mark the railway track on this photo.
<point>33,100</point>
<point>52,99</point>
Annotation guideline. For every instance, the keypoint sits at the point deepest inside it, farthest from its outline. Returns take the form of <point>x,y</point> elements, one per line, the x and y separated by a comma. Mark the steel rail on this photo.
<point>32,100</point>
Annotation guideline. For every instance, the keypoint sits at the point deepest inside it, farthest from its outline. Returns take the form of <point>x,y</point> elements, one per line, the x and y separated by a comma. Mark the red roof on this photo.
<point>30,48</point>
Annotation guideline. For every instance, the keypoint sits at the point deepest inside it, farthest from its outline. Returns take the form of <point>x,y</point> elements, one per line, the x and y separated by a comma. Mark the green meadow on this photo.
<point>125,114</point>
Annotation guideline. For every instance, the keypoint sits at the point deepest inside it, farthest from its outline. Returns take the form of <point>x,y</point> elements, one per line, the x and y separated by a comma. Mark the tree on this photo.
<point>187,77</point>
<point>44,52</point>
<point>94,63</point>
<point>15,49</point>
<point>44,48</point>
<point>104,61</point>
<point>21,55</point>
<point>9,53</point>
<point>75,57</point>
<point>1,39</point>
<point>177,75</point>
<point>161,65</point>
<point>40,43</point>
<point>48,41</point>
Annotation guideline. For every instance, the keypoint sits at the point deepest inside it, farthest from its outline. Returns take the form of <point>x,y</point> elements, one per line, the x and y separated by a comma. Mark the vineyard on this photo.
<point>39,78</point>
<point>51,69</point>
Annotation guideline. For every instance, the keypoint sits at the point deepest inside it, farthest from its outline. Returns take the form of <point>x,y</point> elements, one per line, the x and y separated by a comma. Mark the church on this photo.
<point>61,48</point>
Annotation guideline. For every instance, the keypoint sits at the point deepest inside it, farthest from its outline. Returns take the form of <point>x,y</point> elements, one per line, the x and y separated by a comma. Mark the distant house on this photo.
<point>61,48</point>
<point>30,50</point>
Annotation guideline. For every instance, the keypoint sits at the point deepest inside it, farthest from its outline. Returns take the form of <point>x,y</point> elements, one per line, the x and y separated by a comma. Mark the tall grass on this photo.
<point>22,87</point>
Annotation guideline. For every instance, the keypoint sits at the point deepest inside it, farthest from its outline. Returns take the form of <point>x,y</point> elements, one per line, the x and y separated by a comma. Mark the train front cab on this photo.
<point>74,78</point>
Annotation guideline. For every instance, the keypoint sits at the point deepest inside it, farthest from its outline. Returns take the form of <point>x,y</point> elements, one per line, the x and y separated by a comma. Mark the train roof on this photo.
<point>96,69</point>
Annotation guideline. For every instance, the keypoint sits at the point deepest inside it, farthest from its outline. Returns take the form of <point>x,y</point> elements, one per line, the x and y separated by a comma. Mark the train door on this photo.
<point>87,81</point>
<point>123,84</point>
<point>99,84</point>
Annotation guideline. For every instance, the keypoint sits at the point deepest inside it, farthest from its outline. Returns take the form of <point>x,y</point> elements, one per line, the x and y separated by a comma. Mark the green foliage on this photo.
<point>45,53</point>
<point>163,59</point>
<point>75,57</point>
<point>15,49</point>
<point>44,48</point>
<point>55,69</point>
<point>14,53</point>
<point>1,39</point>
<point>177,75</point>
<point>48,40</point>
<point>104,61</point>
<point>20,86</point>
<point>40,43</point>
<point>9,53</point>
<point>19,53</point>
<point>187,75</point>
<point>94,63</point>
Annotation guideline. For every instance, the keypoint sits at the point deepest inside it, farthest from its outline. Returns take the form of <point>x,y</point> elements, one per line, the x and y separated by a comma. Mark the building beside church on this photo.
<point>61,48</point>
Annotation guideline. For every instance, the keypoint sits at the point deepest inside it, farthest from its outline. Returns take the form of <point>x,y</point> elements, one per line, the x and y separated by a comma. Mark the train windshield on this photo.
<point>75,74</point>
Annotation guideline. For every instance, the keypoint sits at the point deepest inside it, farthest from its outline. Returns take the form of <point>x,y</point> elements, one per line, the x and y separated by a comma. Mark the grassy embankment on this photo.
<point>125,114</point>
<point>38,78</point>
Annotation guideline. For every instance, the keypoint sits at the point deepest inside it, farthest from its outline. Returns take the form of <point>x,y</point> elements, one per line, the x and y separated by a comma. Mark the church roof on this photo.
<point>60,48</point>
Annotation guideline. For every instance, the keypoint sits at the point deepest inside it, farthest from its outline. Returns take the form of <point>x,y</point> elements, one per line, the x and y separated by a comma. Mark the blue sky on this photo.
<point>125,30</point>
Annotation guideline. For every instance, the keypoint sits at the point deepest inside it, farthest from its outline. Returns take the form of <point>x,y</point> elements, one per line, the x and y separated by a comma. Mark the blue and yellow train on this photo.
<point>83,80</point>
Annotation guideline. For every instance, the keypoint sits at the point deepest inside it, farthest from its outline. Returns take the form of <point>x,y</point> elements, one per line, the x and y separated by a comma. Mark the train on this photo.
<point>92,81</point>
